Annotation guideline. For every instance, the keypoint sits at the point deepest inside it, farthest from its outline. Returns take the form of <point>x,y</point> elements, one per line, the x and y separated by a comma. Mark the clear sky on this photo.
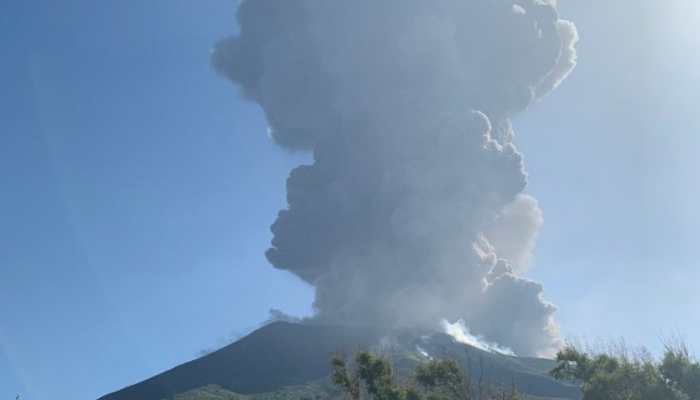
<point>138,189</point>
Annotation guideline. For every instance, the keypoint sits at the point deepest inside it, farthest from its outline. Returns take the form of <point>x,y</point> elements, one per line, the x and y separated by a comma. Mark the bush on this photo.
<point>608,376</point>
<point>373,377</point>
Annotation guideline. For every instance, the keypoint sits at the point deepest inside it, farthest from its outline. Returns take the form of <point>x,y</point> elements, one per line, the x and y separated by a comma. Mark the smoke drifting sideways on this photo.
<point>413,208</point>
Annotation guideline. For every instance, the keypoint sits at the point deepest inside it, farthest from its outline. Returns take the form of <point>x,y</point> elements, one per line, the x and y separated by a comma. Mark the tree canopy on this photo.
<point>372,377</point>
<point>606,376</point>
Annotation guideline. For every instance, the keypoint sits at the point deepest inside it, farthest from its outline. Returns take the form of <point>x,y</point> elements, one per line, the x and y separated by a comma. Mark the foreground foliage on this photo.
<point>372,377</point>
<point>607,376</point>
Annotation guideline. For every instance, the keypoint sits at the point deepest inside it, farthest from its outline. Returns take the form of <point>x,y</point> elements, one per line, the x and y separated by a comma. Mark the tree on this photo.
<point>373,377</point>
<point>681,370</point>
<point>373,373</point>
<point>619,377</point>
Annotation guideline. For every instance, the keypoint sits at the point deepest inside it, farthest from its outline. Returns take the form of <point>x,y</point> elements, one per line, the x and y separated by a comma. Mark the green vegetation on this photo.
<point>608,376</point>
<point>372,377</point>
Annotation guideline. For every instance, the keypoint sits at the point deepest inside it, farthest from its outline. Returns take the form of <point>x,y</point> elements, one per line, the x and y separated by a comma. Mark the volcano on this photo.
<point>285,360</point>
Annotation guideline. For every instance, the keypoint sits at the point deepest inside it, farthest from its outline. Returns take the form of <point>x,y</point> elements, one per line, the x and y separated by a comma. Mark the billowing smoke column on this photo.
<point>412,211</point>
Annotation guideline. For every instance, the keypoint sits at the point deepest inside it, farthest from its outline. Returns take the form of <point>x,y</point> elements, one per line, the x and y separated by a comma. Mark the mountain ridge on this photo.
<point>281,354</point>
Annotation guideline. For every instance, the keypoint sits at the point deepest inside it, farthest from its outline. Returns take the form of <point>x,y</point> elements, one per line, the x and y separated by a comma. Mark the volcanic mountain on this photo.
<point>285,360</point>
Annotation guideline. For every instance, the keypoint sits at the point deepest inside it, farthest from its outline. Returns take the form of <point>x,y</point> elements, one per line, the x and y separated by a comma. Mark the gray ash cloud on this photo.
<point>413,208</point>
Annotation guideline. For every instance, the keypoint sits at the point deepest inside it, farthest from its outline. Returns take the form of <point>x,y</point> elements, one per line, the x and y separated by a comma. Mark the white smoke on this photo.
<point>423,352</point>
<point>514,233</point>
<point>461,334</point>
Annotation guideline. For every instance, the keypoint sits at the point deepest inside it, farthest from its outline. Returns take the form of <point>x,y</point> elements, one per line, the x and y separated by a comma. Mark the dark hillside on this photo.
<point>276,355</point>
<point>282,355</point>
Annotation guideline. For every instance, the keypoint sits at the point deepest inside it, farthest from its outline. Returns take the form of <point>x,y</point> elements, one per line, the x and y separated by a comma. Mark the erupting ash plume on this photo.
<point>412,210</point>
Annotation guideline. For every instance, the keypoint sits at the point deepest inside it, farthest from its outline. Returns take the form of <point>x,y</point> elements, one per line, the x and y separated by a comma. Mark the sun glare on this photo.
<point>683,18</point>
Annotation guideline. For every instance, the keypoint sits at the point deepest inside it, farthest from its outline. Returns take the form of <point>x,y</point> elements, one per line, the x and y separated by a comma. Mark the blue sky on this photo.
<point>138,189</point>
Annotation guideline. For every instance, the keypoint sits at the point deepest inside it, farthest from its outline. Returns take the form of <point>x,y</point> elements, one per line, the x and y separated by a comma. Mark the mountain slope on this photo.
<point>282,357</point>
